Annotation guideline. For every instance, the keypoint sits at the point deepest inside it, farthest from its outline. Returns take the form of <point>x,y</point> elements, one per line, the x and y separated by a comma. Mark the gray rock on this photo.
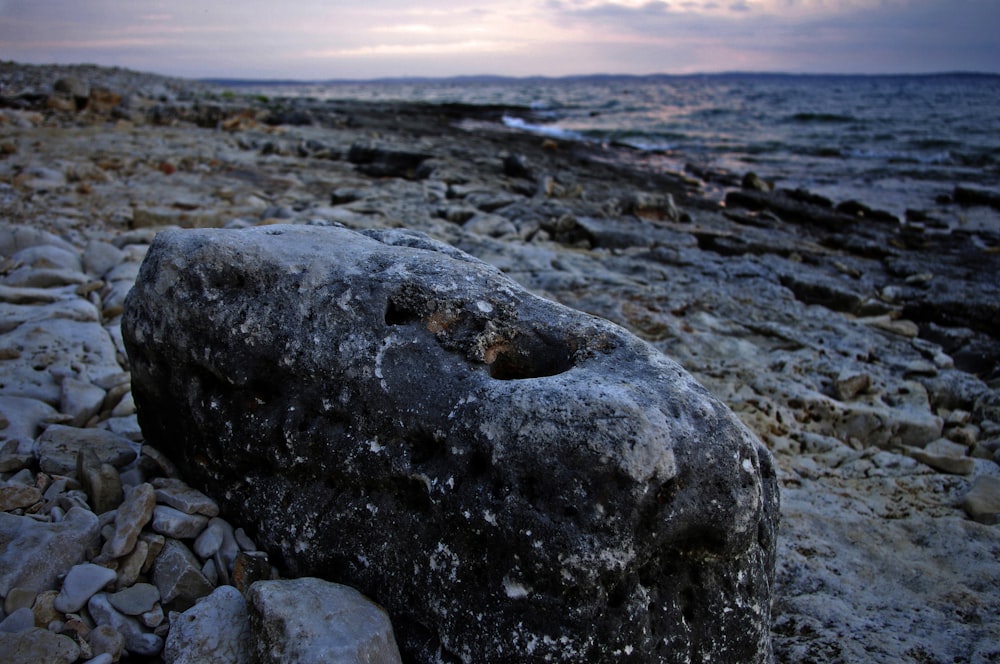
<point>216,629</point>
<point>33,554</point>
<point>982,503</point>
<point>20,620</point>
<point>175,493</point>
<point>138,641</point>
<point>24,418</point>
<point>101,257</point>
<point>100,481</point>
<point>106,640</point>
<point>583,492</point>
<point>210,539</point>
<point>174,523</point>
<point>59,446</point>
<point>135,600</point>
<point>134,513</point>
<point>15,496</point>
<point>80,399</point>
<point>311,620</point>
<point>177,574</point>
<point>81,583</point>
<point>38,645</point>
<point>54,346</point>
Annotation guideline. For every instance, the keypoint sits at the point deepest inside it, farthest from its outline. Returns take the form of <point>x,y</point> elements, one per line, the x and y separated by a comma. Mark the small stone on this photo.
<point>20,620</point>
<point>216,629</point>
<point>100,257</point>
<point>152,618</point>
<point>211,571</point>
<point>106,640</point>
<point>310,619</point>
<point>80,399</point>
<point>177,494</point>
<point>210,539</point>
<point>155,543</point>
<point>246,544</point>
<point>174,523</point>
<point>100,481</point>
<point>848,385</point>
<point>13,497</point>
<point>982,503</point>
<point>946,456</point>
<point>38,645</point>
<point>137,640</point>
<point>250,567</point>
<point>134,513</point>
<point>130,566</point>
<point>135,600</point>
<point>44,608</point>
<point>177,574</point>
<point>19,598</point>
<point>82,582</point>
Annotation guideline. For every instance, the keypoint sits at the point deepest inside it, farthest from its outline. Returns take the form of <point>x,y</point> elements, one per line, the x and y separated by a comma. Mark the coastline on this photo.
<point>850,346</point>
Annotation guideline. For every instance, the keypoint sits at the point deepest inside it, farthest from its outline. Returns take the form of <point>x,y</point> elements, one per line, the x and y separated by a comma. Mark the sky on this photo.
<point>328,39</point>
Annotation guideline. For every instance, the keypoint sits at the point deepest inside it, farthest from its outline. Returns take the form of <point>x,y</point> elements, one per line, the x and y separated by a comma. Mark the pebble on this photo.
<point>216,629</point>
<point>133,514</point>
<point>59,446</point>
<point>174,523</point>
<point>81,583</point>
<point>175,493</point>
<point>177,574</point>
<point>105,640</point>
<point>38,645</point>
<point>137,640</point>
<point>135,600</point>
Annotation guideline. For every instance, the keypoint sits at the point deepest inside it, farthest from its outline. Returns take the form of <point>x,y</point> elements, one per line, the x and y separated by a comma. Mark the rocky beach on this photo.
<point>861,349</point>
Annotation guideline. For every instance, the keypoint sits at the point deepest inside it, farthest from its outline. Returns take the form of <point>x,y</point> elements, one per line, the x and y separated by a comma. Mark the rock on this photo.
<point>14,497</point>
<point>481,427</point>
<point>38,645</point>
<point>19,598</point>
<point>100,257</point>
<point>517,166</point>
<point>100,481</point>
<point>19,620</point>
<point>33,554</point>
<point>311,620</point>
<point>175,493</point>
<point>106,640</point>
<point>137,640</point>
<point>80,399</point>
<point>177,574</point>
<point>134,513</point>
<point>81,583</point>
<point>982,503</point>
<point>59,446</point>
<point>380,161</point>
<point>850,384</point>
<point>135,600</point>
<point>131,565</point>
<point>174,523</point>
<point>216,629</point>
<point>24,418</point>
<point>754,182</point>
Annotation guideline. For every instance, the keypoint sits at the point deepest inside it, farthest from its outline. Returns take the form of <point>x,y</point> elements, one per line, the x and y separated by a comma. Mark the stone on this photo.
<point>177,575</point>
<point>100,481</point>
<point>20,620</point>
<point>24,419</point>
<point>380,161</point>
<point>59,446</point>
<point>137,640</point>
<point>38,645</point>
<point>100,257</point>
<point>33,554</point>
<point>134,513</point>
<point>210,540</point>
<point>174,523</point>
<point>982,503</point>
<point>135,600</point>
<point>80,399</point>
<point>175,493</point>
<point>131,565</point>
<point>81,583</point>
<point>477,436</point>
<point>14,497</point>
<point>19,598</point>
<point>312,620</point>
<point>44,608</point>
<point>216,629</point>
<point>106,640</point>
<point>848,385</point>
<point>946,456</point>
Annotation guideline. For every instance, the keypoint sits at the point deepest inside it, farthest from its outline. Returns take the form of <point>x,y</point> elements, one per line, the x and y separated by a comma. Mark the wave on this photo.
<point>550,130</point>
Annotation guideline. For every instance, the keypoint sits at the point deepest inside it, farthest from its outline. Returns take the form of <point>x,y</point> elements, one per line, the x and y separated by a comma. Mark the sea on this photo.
<point>895,143</point>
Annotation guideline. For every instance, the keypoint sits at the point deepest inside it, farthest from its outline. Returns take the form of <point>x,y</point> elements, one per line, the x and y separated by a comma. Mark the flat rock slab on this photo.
<point>510,478</point>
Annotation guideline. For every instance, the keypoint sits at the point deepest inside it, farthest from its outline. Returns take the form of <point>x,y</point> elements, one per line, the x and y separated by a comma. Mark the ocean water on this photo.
<point>891,142</point>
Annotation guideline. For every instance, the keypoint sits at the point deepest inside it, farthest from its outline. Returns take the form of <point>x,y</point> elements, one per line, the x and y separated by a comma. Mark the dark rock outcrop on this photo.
<point>510,478</point>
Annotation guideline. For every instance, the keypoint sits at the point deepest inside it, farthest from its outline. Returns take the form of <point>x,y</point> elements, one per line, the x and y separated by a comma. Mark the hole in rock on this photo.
<point>529,358</point>
<point>396,314</point>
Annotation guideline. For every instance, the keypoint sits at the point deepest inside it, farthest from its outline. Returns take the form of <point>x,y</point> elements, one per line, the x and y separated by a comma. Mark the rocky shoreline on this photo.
<point>863,351</point>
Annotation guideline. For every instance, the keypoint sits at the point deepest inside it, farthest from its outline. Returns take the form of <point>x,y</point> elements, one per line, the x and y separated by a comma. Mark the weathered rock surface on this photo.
<point>311,620</point>
<point>544,483</point>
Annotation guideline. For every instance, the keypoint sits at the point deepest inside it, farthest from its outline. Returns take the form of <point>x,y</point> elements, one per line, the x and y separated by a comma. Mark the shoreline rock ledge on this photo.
<point>511,479</point>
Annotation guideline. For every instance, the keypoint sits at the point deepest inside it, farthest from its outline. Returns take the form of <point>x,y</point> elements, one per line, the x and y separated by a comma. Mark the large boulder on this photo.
<point>510,478</point>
